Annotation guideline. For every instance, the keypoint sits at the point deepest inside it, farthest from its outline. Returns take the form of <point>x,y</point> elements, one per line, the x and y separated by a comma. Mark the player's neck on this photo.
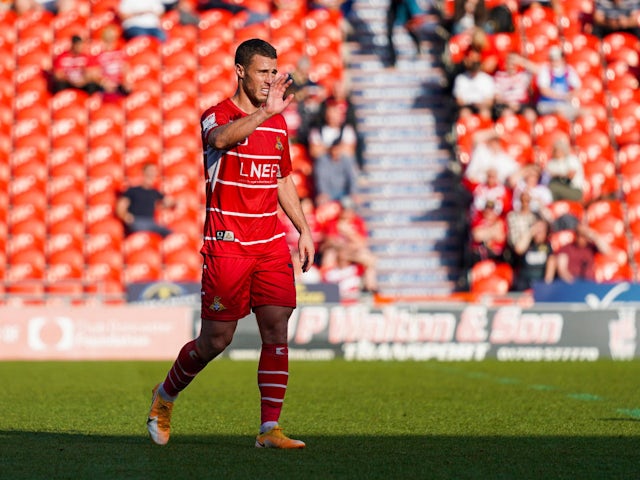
<point>244,103</point>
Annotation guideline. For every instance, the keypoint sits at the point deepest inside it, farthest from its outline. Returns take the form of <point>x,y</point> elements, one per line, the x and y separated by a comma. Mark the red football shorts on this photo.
<point>232,286</point>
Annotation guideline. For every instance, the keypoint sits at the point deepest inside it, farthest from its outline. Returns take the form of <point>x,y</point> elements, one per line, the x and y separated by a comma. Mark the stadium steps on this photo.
<point>408,195</point>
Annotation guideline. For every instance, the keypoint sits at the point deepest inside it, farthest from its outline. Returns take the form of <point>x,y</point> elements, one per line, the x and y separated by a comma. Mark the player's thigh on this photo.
<point>226,286</point>
<point>273,282</point>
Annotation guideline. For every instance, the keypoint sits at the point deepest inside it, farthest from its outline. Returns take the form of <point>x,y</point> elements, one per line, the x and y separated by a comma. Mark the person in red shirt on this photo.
<point>74,68</point>
<point>113,65</point>
<point>247,262</point>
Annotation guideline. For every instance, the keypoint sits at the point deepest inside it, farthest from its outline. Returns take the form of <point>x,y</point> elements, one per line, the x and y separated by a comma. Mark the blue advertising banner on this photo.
<point>595,295</point>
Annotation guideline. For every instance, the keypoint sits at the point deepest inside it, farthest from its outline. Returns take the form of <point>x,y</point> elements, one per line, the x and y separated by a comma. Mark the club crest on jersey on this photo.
<point>279,145</point>
<point>225,235</point>
<point>217,305</point>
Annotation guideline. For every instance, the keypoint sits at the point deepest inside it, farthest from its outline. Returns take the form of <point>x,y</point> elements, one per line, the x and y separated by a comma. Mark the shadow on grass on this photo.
<point>33,455</point>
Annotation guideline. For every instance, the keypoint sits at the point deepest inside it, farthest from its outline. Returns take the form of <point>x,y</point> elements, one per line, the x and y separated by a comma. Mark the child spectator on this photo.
<point>556,82</point>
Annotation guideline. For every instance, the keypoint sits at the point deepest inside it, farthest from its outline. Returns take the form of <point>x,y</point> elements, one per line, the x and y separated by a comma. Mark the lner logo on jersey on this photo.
<point>217,305</point>
<point>225,235</point>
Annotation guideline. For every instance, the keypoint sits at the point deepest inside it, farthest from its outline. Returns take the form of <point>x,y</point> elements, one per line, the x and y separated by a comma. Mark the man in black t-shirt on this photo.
<point>136,207</point>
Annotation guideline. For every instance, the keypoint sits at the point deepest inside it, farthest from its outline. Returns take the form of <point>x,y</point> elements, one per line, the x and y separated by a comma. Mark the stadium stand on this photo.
<point>70,154</point>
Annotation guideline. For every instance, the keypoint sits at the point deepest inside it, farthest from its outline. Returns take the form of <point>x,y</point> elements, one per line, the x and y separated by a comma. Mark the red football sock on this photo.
<point>273,374</point>
<point>184,369</point>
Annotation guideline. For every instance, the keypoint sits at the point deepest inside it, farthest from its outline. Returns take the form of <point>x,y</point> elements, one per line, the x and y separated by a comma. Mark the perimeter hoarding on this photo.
<point>94,333</point>
<point>465,333</point>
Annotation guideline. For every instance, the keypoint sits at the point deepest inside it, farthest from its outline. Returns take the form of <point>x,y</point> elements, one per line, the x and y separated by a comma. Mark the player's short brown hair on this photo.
<point>252,47</point>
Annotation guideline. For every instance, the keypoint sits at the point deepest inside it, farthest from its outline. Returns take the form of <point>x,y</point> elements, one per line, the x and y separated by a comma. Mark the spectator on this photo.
<point>556,82</point>
<point>136,207</point>
<point>473,89</point>
<point>488,236</point>
<point>491,190</point>
<point>575,261</point>
<point>539,195</point>
<point>187,13</point>
<point>611,16</point>
<point>74,68</point>
<point>468,14</point>
<point>341,92</point>
<point>532,251</point>
<point>487,153</point>
<point>524,5</point>
<point>142,17</point>
<point>333,150</point>
<point>513,81</point>
<point>409,14</point>
<point>113,65</point>
<point>346,241</point>
<point>563,172</point>
<point>309,98</point>
<point>20,7</point>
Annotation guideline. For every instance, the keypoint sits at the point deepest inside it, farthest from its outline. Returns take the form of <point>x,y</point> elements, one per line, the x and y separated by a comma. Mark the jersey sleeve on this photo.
<point>211,119</point>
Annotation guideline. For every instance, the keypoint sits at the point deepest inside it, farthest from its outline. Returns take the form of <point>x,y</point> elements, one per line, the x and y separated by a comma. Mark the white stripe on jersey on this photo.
<point>238,214</point>
<point>244,185</point>
<point>244,155</point>
<point>277,130</point>
<point>255,242</point>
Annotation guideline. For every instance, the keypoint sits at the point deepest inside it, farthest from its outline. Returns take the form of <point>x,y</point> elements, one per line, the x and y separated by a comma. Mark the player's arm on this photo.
<point>290,203</point>
<point>228,135</point>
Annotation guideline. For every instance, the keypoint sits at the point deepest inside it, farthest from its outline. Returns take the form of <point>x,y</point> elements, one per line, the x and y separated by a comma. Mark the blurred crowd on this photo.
<point>540,136</point>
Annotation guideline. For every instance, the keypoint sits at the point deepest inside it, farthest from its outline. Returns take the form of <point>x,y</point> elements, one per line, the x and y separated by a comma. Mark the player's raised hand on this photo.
<point>276,101</point>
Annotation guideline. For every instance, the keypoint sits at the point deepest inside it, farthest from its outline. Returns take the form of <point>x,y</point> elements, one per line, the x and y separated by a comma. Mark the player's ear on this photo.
<point>240,71</point>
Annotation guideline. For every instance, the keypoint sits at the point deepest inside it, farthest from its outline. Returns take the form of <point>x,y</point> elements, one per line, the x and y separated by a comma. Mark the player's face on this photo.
<point>257,78</point>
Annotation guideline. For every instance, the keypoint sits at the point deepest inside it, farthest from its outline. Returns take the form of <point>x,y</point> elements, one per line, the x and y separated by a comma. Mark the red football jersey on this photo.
<point>242,186</point>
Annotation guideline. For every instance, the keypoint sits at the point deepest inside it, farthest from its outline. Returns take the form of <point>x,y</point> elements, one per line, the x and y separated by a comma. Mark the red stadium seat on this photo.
<point>180,160</point>
<point>65,292</point>
<point>144,266</point>
<point>617,44</point>
<point>26,264</point>
<point>28,161</point>
<point>183,266</point>
<point>22,242</point>
<point>101,219</point>
<point>64,221</point>
<point>65,265</point>
<point>465,128</point>
<point>600,177</point>
<point>626,124</point>
<point>628,154</point>
<point>24,290</point>
<point>28,190</point>
<point>608,268</point>
<point>31,78</point>
<point>67,161</point>
<point>141,241</point>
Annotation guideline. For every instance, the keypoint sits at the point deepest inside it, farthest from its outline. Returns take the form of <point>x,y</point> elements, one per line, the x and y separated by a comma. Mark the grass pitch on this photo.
<point>373,420</point>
